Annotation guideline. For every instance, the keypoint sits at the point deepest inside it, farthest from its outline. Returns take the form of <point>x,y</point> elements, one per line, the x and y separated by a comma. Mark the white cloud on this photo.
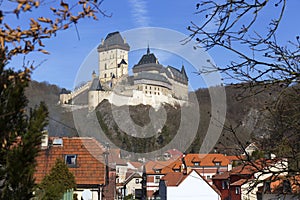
<point>139,12</point>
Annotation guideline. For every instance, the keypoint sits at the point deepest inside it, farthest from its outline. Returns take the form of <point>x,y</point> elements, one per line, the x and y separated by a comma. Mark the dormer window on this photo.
<point>217,163</point>
<point>157,171</point>
<point>71,160</point>
<point>196,163</point>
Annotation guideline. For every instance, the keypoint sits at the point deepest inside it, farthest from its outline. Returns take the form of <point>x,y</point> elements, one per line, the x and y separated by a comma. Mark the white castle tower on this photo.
<point>113,57</point>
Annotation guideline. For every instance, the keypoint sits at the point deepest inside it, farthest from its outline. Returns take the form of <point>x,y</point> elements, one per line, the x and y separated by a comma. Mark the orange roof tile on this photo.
<point>114,157</point>
<point>174,178</point>
<point>136,164</point>
<point>206,160</point>
<point>90,167</point>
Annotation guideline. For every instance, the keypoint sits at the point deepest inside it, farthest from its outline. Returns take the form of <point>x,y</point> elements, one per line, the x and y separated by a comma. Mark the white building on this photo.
<point>177,185</point>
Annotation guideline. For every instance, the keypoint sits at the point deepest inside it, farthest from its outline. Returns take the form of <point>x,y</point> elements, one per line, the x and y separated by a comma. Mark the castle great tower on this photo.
<point>113,57</point>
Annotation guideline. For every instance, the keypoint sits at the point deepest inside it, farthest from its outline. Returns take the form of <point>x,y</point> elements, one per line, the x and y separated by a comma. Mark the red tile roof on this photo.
<point>90,167</point>
<point>239,182</point>
<point>162,166</point>
<point>137,165</point>
<point>174,178</point>
<point>206,160</point>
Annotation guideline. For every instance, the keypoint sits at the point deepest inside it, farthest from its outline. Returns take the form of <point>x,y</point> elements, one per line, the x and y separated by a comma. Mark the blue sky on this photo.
<point>68,52</point>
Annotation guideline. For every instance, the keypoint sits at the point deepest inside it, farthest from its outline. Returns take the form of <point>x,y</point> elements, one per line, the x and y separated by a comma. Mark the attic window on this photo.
<point>217,163</point>
<point>71,160</point>
<point>196,163</point>
<point>157,171</point>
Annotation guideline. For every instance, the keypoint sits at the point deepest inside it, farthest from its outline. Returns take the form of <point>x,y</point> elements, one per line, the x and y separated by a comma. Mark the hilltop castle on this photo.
<point>151,82</point>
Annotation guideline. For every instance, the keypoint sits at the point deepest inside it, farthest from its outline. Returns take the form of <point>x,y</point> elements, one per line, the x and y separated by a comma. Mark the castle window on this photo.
<point>105,66</point>
<point>146,87</point>
<point>105,75</point>
<point>150,91</point>
<point>158,93</point>
<point>150,87</point>
<point>155,93</point>
<point>158,89</point>
<point>146,92</point>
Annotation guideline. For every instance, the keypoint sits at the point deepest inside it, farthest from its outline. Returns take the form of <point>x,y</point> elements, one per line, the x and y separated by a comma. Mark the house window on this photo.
<point>71,160</point>
<point>237,190</point>
<point>225,185</point>
<point>105,66</point>
<point>157,178</point>
<point>137,181</point>
<point>217,163</point>
<point>157,171</point>
<point>208,177</point>
<point>196,164</point>
<point>145,87</point>
<point>105,75</point>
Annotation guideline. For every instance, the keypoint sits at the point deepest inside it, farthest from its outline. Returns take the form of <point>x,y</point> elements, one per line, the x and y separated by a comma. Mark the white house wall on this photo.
<point>192,188</point>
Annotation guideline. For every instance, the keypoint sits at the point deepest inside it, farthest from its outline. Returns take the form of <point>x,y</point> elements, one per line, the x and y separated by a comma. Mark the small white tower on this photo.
<point>113,57</point>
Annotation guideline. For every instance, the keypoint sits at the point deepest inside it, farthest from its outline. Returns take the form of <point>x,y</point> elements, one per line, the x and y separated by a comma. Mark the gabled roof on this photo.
<point>90,167</point>
<point>136,165</point>
<point>174,179</point>
<point>114,157</point>
<point>113,40</point>
<point>130,175</point>
<point>177,75</point>
<point>162,166</point>
<point>206,160</point>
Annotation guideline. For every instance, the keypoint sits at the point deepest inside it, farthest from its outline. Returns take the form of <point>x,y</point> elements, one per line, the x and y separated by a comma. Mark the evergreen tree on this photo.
<point>20,135</point>
<point>57,182</point>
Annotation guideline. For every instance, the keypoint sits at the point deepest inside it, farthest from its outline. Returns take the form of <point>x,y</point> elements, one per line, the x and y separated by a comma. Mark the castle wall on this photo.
<point>179,90</point>
<point>96,97</point>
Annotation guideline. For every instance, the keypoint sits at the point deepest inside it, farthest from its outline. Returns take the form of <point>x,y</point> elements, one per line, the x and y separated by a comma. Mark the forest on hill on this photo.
<point>245,113</point>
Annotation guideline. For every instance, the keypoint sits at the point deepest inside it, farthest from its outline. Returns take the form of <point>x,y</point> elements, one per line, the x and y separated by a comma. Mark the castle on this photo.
<point>150,84</point>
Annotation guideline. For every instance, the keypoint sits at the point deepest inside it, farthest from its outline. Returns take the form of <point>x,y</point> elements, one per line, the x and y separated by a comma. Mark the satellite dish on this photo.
<point>87,195</point>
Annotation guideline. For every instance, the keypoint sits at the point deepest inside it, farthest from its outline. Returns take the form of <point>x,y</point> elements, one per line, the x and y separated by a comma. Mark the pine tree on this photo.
<point>57,182</point>
<point>20,136</point>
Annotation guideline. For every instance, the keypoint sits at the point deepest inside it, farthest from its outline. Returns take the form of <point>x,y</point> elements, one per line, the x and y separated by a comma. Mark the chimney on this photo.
<point>183,166</point>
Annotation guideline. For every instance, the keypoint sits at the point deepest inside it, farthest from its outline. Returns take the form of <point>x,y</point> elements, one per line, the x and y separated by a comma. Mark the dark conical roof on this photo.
<point>96,85</point>
<point>113,40</point>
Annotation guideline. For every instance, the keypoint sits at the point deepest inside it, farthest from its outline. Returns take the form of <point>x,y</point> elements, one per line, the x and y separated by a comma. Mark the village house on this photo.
<point>84,157</point>
<point>240,182</point>
<point>281,187</point>
<point>190,186</point>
